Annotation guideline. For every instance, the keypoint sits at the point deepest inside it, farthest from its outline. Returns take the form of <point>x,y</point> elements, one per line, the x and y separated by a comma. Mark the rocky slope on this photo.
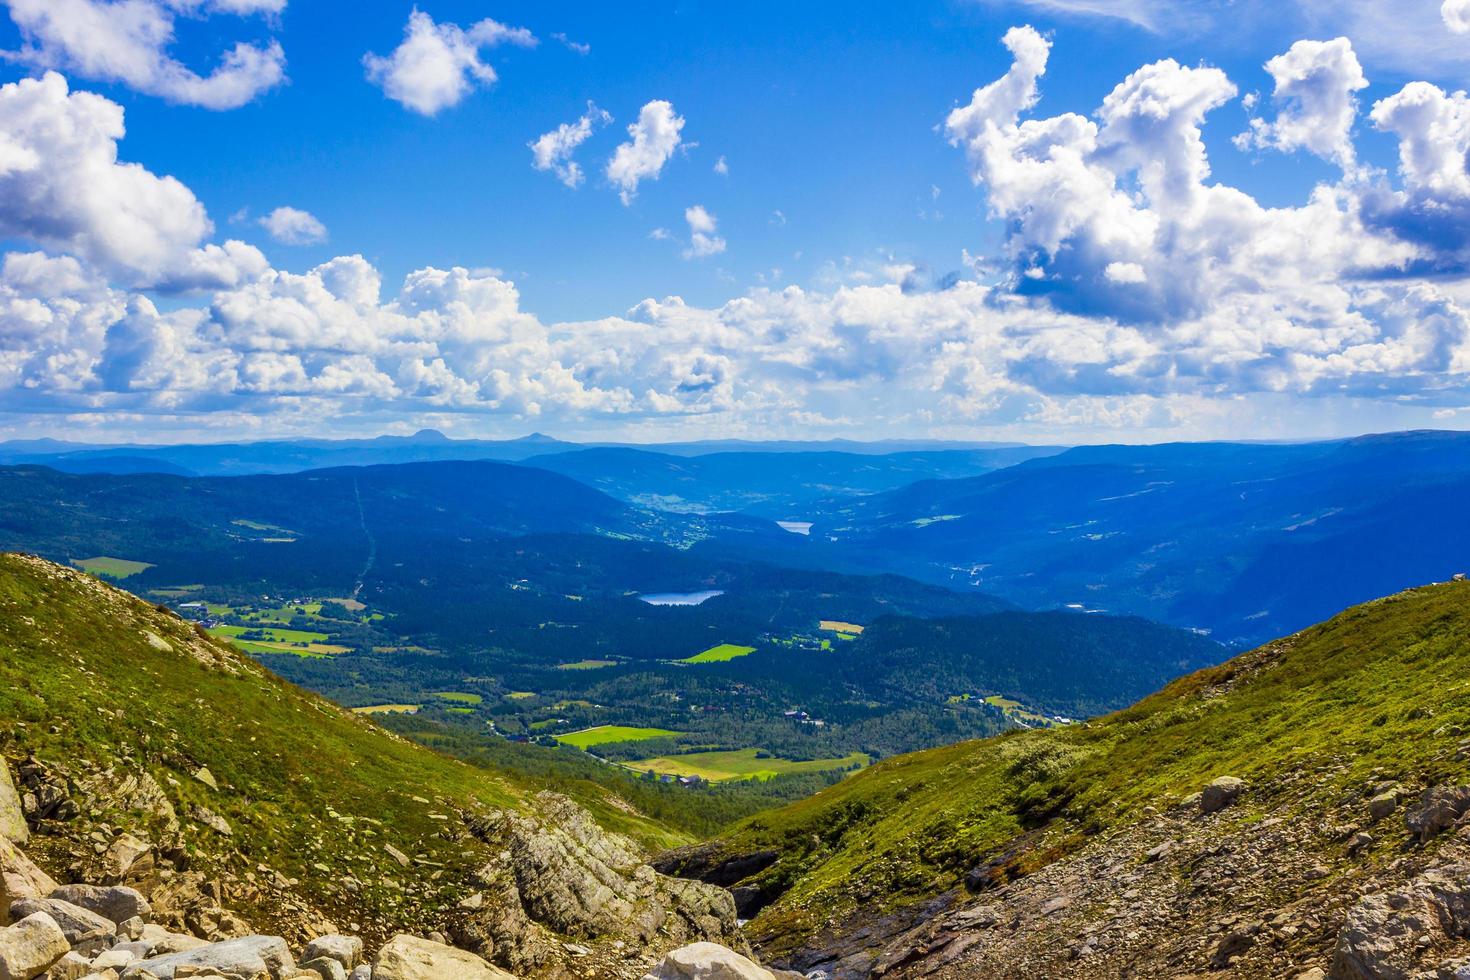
<point>1300,811</point>
<point>168,809</point>
<point>139,752</point>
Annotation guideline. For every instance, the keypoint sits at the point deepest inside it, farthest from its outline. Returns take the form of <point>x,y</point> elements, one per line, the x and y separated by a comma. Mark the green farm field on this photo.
<point>118,568</point>
<point>719,654</point>
<point>740,764</point>
<point>272,633</point>
<point>603,734</point>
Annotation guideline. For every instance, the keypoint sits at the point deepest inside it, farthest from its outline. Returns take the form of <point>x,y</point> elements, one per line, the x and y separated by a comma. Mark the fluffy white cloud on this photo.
<point>655,137</point>
<point>1434,135</point>
<point>722,167</point>
<point>1456,15</point>
<point>291,226</point>
<point>128,42</point>
<point>61,185</point>
<point>703,239</point>
<point>1129,191</point>
<point>553,151</point>
<point>437,65</point>
<point>1316,82</point>
<point>54,317</point>
<point>1134,291</point>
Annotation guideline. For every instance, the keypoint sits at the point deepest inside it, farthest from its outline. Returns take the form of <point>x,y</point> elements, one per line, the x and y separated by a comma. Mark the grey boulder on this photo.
<point>30,947</point>
<point>1221,793</point>
<point>85,931</point>
<point>250,956</point>
<point>707,961</point>
<point>346,950</point>
<point>411,958</point>
<point>116,902</point>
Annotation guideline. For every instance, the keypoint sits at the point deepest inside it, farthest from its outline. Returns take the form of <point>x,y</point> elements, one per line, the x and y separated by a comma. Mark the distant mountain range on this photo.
<point>1247,540</point>
<point>1243,540</point>
<point>322,529</point>
<point>779,485</point>
<point>427,445</point>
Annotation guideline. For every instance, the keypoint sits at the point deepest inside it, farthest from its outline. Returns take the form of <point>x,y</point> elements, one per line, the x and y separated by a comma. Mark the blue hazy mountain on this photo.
<point>428,445</point>
<point>783,485</point>
<point>1248,541</point>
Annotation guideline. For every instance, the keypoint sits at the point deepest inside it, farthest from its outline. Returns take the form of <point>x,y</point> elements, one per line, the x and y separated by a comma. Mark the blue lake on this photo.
<point>679,598</point>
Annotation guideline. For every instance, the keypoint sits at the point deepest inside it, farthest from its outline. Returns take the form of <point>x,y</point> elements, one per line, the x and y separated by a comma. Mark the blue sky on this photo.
<point>841,178</point>
<point>828,119</point>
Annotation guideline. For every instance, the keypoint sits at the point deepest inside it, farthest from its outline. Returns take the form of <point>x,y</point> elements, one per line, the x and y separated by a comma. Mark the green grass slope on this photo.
<point>93,679</point>
<point>1383,688</point>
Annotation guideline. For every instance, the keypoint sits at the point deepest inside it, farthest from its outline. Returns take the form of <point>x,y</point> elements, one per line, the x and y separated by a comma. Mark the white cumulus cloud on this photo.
<point>1132,290</point>
<point>1316,86</point>
<point>1456,15</point>
<point>654,138</point>
<point>437,65</point>
<point>291,226</point>
<point>703,238</point>
<point>61,186</point>
<point>129,41</point>
<point>553,150</point>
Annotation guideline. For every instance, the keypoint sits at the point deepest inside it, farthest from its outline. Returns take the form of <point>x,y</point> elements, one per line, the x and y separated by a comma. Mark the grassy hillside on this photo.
<point>103,691</point>
<point>1381,691</point>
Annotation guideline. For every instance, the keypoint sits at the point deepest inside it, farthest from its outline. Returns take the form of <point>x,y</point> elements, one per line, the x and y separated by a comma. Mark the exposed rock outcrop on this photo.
<point>12,816</point>
<point>19,876</point>
<point>1438,809</point>
<point>564,876</point>
<point>1387,934</point>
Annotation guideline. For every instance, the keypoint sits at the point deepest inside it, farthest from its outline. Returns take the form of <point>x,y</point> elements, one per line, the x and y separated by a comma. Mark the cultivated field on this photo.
<point>388,709</point>
<point>837,626</point>
<point>603,734</point>
<point>118,568</point>
<point>739,764</point>
<point>719,654</point>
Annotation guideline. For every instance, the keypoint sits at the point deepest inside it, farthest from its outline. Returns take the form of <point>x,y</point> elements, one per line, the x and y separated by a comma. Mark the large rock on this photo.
<point>1386,932</point>
<point>567,877</point>
<point>29,947</point>
<point>324,967</point>
<point>12,817</point>
<point>116,902</point>
<point>135,792</point>
<point>708,961</point>
<point>126,854</point>
<point>1221,793</point>
<point>86,932</point>
<point>1439,808</point>
<point>19,877</point>
<point>72,966</point>
<point>346,950</point>
<point>250,956</point>
<point>411,958</point>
